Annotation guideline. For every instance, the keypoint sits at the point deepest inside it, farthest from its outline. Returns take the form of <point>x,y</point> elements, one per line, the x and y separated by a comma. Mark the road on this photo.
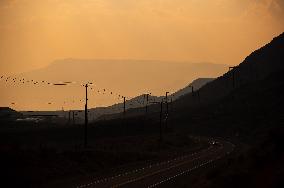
<point>156,174</point>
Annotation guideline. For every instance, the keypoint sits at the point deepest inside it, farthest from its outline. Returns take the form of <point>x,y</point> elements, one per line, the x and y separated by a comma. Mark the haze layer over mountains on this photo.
<point>129,78</point>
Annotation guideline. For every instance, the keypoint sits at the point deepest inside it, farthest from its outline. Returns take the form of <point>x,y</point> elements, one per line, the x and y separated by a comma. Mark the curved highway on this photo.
<point>156,174</point>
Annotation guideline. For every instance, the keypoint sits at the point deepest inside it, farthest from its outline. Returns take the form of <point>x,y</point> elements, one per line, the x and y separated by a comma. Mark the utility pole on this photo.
<point>69,117</point>
<point>161,120</point>
<point>123,129</point>
<point>192,90</point>
<point>73,113</point>
<point>167,107</point>
<point>172,105</point>
<point>147,100</point>
<point>193,94</point>
<point>86,116</point>
<point>233,72</point>
<point>167,102</point>
<point>124,106</point>
<point>161,116</point>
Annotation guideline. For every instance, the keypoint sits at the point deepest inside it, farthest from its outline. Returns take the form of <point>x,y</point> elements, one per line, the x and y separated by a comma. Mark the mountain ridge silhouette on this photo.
<point>119,77</point>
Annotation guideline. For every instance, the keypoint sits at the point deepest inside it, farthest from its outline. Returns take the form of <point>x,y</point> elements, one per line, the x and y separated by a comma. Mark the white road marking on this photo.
<point>141,169</point>
<point>155,165</point>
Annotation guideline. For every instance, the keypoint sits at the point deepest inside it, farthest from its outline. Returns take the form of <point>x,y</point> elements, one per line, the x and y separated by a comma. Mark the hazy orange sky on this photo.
<point>34,33</point>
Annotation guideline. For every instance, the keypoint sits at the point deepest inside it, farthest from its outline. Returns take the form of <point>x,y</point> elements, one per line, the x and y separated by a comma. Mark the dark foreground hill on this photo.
<point>257,67</point>
<point>244,105</point>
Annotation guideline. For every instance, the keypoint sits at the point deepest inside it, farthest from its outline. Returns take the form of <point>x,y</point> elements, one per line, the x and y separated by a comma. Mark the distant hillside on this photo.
<point>125,77</point>
<point>140,101</point>
<point>136,102</point>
